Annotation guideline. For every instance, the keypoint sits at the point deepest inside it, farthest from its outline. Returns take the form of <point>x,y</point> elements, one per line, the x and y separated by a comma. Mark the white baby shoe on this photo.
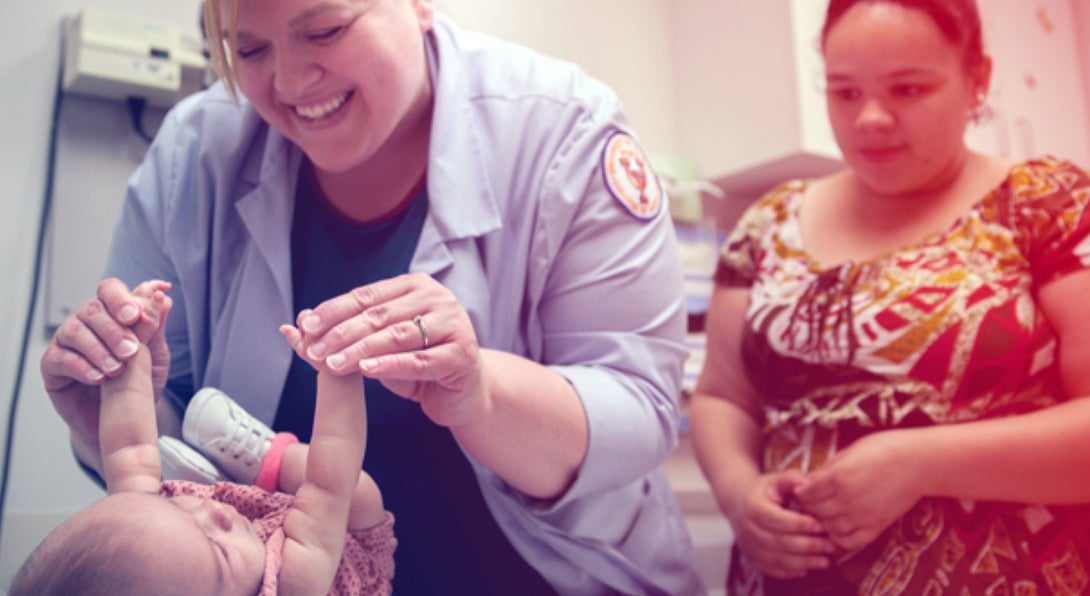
<point>182,462</point>
<point>228,435</point>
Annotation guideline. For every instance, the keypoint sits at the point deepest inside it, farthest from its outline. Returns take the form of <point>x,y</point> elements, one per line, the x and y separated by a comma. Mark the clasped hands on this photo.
<point>790,523</point>
<point>410,333</point>
<point>372,330</point>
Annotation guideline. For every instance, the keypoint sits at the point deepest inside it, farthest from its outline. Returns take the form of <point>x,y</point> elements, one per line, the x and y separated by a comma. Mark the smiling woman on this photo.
<point>359,173</point>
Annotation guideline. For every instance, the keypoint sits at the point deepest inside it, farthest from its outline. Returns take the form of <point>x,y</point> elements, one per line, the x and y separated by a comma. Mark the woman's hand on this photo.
<point>779,541</point>
<point>374,329</point>
<point>863,489</point>
<point>94,344</point>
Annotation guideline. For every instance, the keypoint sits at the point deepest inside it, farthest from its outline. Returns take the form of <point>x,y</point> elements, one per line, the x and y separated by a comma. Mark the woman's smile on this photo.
<point>320,110</point>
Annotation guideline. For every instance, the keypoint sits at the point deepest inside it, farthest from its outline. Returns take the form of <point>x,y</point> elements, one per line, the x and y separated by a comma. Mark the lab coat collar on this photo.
<point>267,209</point>
<point>266,180</point>
<point>457,173</point>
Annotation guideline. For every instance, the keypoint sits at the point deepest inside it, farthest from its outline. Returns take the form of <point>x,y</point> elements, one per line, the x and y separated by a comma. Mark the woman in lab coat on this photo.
<point>469,226</point>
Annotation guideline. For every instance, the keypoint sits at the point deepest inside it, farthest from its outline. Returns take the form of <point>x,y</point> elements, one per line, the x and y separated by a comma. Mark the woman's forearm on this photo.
<point>727,442</point>
<point>534,433</point>
<point>1040,457</point>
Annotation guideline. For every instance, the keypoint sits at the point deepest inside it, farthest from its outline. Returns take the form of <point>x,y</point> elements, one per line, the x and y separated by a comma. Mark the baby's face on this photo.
<point>237,553</point>
<point>196,536</point>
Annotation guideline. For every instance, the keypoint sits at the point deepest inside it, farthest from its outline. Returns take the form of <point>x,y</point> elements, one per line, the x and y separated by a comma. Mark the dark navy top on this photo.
<point>448,541</point>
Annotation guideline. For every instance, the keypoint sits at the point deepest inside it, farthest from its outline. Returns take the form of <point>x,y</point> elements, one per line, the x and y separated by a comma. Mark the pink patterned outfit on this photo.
<point>367,564</point>
<point>943,331</point>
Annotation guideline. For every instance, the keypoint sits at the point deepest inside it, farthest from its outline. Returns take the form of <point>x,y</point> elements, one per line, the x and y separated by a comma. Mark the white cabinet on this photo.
<point>750,109</point>
<point>748,78</point>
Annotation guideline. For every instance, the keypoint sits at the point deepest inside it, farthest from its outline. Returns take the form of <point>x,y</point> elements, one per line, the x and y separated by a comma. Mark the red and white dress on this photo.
<point>943,331</point>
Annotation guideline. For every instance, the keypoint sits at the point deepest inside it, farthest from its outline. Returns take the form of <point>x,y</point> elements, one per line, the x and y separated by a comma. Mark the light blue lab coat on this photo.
<point>521,227</point>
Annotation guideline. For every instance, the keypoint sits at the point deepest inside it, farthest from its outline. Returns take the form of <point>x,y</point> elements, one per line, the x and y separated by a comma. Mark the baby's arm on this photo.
<point>128,436</point>
<point>366,510</point>
<point>316,524</point>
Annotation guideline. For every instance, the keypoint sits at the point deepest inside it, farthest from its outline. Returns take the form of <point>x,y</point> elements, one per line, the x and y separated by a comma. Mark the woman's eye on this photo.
<point>245,53</point>
<point>908,90</point>
<point>326,34</point>
<point>843,93</point>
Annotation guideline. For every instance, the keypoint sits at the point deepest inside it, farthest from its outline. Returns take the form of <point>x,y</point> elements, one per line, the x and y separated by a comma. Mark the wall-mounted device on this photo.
<point>117,56</point>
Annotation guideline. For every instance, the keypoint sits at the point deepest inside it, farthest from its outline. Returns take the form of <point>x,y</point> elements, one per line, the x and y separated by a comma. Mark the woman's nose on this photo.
<point>874,114</point>
<point>294,72</point>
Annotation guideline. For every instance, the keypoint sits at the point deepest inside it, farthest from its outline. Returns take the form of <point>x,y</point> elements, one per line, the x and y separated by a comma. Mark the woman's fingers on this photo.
<point>407,314</point>
<point>94,342</point>
<point>91,339</point>
<point>375,305</point>
<point>119,302</point>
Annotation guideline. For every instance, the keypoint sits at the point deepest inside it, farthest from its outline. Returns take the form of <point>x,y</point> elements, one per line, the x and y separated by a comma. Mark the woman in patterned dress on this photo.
<point>892,401</point>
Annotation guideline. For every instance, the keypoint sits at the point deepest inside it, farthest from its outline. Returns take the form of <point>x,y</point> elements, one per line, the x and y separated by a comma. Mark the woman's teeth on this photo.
<point>322,109</point>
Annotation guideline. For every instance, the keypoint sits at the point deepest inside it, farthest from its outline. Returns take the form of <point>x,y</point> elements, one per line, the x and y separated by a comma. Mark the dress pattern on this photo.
<point>943,331</point>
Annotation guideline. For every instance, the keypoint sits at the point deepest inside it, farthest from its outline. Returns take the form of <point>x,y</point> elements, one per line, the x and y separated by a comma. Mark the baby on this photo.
<point>326,532</point>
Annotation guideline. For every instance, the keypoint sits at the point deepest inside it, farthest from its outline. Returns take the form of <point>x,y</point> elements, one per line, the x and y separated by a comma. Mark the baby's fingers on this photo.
<point>298,343</point>
<point>295,339</point>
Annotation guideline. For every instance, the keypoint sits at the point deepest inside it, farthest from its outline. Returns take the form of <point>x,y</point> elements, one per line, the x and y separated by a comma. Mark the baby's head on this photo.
<point>137,543</point>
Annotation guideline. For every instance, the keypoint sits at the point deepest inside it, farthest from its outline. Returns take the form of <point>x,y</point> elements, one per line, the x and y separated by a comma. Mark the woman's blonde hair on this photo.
<point>220,46</point>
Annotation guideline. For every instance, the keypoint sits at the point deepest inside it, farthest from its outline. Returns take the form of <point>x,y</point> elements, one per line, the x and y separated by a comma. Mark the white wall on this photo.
<point>44,486</point>
<point>1081,10</point>
<point>1038,94</point>
<point>625,43</point>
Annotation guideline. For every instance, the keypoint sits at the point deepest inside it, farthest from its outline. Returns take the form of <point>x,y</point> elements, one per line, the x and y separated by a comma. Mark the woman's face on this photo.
<point>337,77</point>
<point>899,99</point>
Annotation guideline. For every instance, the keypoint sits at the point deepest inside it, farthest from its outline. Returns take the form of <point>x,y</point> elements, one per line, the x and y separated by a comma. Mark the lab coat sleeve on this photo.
<point>612,312</point>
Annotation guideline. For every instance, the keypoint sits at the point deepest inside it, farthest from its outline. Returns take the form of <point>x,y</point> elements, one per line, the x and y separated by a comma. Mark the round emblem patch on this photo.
<point>629,177</point>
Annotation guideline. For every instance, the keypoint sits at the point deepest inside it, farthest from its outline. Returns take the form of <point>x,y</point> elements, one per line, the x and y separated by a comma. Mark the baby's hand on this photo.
<point>296,338</point>
<point>154,307</point>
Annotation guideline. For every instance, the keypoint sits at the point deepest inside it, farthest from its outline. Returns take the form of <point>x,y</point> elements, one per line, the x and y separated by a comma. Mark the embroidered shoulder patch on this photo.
<point>629,177</point>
